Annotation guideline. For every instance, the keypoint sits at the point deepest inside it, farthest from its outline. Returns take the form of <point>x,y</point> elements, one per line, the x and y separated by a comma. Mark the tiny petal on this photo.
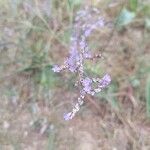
<point>56,68</point>
<point>77,107</point>
<point>97,90</point>
<point>105,81</point>
<point>87,83</point>
<point>100,23</point>
<point>92,93</point>
<point>67,116</point>
<point>107,78</point>
<point>80,101</point>
<point>87,32</point>
<point>87,55</point>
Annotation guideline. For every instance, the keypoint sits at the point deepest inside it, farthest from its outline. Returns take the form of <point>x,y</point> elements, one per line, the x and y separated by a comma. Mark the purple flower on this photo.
<point>67,116</point>
<point>82,44</point>
<point>87,32</point>
<point>72,60</point>
<point>87,85</point>
<point>105,81</point>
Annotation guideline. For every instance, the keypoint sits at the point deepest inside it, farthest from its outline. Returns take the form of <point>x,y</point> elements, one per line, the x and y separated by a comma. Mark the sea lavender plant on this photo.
<point>86,21</point>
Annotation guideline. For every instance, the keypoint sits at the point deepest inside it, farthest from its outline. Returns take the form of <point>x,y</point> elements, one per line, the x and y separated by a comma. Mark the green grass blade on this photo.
<point>148,96</point>
<point>133,5</point>
<point>51,141</point>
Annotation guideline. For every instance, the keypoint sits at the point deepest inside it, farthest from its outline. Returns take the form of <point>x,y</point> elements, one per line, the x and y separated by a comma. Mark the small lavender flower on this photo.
<point>85,22</point>
<point>72,60</point>
<point>87,85</point>
<point>105,81</point>
<point>67,116</point>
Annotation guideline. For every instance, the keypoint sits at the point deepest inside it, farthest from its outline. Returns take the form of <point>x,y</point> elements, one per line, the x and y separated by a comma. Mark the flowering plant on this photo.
<point>85,22</point>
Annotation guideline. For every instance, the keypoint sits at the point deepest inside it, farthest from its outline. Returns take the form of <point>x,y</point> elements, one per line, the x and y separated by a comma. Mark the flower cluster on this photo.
<point>88,89</point>
<point>85,22</point>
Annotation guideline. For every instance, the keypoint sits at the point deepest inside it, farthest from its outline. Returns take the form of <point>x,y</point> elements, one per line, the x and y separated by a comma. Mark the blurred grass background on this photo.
<point>34,35</point>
